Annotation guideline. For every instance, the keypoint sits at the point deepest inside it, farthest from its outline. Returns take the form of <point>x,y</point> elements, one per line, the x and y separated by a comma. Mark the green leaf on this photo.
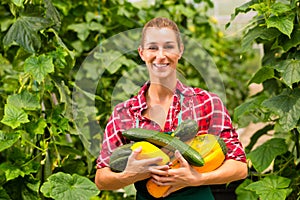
<point>113,60</point>
<point>288,43</point>
<point>24,33</point>
<point>81,29</point>
<point>30,188</point>
<point>262,74</point>
<point>3,194</point>
<point>39,66</point>
<point>243,193</point>
<point>271,188</point>
<point>248,106</point>
<point>67,187</point>
<point>284,24</point>
<point>8,139</point>
<point>14,116</point>
<point>258,32</point>
<point>18,3</point>
<point>11,171</point>
<point>287,106</point>
<point>52,13</point>
<point>257,135</point>
<point>58,57</point>
<point>241,9</point>
<point>36,127</point>
<point>263,155</point>
<point>24,100</point>
<point>130,190</point>
<point>290,70</point>
<point>280,8</point>
<point>261,8</point>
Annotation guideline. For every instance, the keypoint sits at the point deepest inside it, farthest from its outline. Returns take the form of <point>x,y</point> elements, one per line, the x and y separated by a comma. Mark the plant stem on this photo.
<point>296,132</point>
<point>33,145</point>
<point>284,166</point>
<point>33,159</point>
<point>57,152</point>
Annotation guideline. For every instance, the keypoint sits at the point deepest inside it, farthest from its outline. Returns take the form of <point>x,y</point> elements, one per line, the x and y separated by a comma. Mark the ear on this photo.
<point>141,53</point>
<point>181,50</point>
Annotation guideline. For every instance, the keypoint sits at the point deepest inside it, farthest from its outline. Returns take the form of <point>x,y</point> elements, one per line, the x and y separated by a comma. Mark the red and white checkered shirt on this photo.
<point>204,107</point>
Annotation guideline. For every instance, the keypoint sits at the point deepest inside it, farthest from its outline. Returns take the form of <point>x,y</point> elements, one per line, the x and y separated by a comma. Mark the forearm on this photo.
<point>107,180</point>
<point>230,171</point>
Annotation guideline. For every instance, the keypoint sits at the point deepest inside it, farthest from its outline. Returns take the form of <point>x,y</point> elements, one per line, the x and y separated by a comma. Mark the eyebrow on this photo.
<point>168,42</point>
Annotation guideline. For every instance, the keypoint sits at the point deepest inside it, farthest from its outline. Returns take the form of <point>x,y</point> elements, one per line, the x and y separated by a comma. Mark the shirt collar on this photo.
<point>140,103</point>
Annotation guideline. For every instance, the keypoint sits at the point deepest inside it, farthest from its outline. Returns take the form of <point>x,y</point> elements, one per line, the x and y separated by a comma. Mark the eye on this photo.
<point>152,48</point>
<point>169,46</point>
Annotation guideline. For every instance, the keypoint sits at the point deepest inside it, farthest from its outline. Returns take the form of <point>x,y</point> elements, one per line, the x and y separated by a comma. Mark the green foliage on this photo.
<point>271,187</point>
<point>276,28</point>
<point>63,67</point>
<point>65,186</point>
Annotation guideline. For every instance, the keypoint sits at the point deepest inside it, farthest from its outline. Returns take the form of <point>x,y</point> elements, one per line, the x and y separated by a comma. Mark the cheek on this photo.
<point>175,57</point>
<point>149,57</point>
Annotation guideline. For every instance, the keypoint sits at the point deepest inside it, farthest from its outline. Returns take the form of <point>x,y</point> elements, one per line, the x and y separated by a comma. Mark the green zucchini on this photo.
<point>187,130</point>
<point>164,140</point>
<point>119,157</point>
<point>223,145</point>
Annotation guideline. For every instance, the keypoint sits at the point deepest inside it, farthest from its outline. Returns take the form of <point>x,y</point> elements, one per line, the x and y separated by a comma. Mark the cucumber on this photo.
<point>119,157</point>
<point>223,145</point>
<point>187,130</point>
<point>164,140</point>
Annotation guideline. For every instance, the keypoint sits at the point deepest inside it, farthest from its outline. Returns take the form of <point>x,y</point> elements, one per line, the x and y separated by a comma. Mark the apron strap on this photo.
<point>180,114</point>
<point>137,122</point>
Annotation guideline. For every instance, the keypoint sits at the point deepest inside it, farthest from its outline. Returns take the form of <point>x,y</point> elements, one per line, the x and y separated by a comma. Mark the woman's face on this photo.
<point>160,52</point>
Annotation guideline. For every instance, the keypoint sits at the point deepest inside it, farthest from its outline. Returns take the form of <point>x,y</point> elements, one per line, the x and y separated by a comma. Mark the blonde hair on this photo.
<point>161,22</point>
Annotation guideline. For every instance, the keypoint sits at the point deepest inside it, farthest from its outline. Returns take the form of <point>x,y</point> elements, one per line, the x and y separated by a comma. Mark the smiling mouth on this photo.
<point>161,65</point>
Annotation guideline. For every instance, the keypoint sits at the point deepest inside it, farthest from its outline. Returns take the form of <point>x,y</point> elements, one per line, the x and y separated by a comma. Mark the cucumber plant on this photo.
<point>43,44</point>
<point>274,168</point>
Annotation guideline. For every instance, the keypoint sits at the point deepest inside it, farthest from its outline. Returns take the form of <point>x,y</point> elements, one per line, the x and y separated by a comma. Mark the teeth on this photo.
<point>161,65</point>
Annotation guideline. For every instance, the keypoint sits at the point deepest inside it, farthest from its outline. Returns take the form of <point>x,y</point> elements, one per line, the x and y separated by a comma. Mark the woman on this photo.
<point>161,104</point>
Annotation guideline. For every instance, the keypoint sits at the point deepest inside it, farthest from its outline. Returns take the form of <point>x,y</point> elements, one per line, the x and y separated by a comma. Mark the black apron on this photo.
<point>188,193</point>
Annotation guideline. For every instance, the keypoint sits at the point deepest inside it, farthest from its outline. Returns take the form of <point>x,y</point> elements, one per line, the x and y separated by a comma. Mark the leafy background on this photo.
<point>58,88</point>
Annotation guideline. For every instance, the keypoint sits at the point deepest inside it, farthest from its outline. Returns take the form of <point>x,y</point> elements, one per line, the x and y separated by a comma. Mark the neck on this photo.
<point>161,92</point>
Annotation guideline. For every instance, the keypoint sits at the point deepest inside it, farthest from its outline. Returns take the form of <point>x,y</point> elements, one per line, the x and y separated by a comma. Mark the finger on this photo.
<point>152,161</point>
<point>160,167</point>
<point>135,153</point>
<point>162,180</point>
<point>159,170</point>
<point>181,159</point>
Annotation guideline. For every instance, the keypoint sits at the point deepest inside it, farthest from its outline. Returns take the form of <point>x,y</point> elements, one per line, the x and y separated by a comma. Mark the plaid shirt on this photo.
<point>204,107</point>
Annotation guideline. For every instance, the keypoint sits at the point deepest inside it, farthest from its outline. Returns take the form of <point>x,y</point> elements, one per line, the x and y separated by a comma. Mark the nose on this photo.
<point>161,53</point>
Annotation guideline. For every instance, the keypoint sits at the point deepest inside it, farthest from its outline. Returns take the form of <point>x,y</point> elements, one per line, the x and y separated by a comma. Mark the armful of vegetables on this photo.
<point>204,152</point>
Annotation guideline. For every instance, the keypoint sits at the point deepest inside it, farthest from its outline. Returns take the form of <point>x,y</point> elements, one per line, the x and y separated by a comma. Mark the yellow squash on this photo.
<point>211,148</point>
<point>150,151</point>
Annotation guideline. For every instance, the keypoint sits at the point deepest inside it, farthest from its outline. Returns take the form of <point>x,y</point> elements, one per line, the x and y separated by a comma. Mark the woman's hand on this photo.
<point>178,178</point>
<point>140,169</point>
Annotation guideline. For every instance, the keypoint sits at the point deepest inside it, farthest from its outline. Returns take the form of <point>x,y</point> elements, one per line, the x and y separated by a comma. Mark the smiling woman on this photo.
<point>161,53</point>
<point>161,105</point>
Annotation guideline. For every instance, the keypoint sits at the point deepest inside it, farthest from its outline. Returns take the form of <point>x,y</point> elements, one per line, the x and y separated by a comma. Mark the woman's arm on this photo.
<point>230,170</point>
<point>135,170</point>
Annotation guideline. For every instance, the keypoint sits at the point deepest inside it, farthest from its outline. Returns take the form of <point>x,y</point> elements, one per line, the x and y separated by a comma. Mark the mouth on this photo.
<point>161,65</point>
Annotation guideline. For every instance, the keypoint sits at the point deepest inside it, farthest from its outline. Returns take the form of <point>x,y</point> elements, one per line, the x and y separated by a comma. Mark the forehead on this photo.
<point>159,35</point>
